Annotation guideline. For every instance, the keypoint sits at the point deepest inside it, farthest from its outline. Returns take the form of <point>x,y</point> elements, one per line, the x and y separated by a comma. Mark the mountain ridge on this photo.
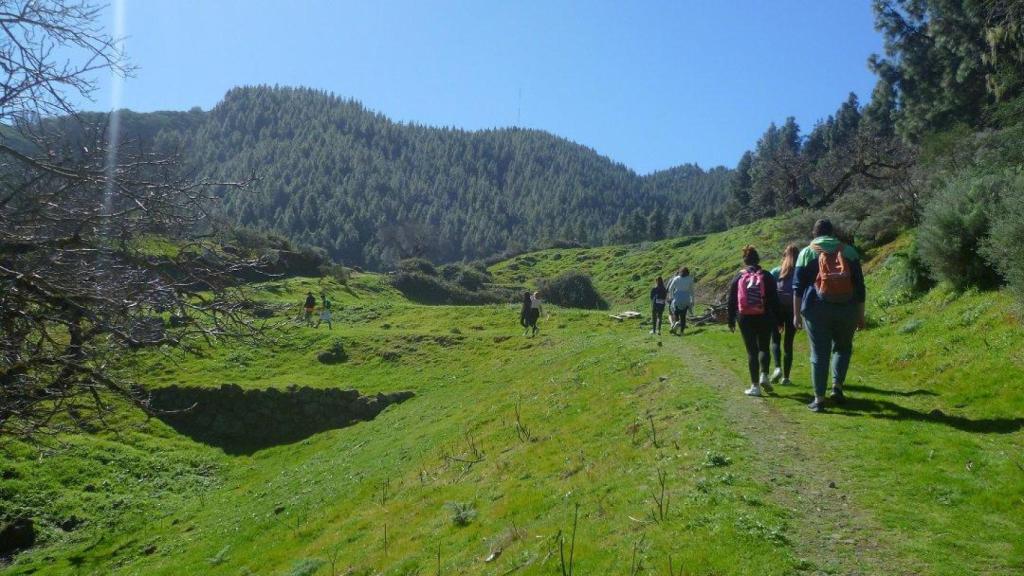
<point>370,190</point>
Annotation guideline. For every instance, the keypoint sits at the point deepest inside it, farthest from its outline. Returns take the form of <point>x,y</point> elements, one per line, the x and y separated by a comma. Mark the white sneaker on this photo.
<point>754,390</point>
<point>765,383</point>
<point>652,332</point>
<point>777,375</point>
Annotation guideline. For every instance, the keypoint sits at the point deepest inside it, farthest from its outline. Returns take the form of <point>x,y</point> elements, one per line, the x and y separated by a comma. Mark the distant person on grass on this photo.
<point>524,313</point>
<point>325,313</point>
<point>308,308</point>
<point>659,296</point>
<point>754,303</point>
<point>536,307</point>
<point>782,337</point>
<point>828,299</point>
<point>680,292</point>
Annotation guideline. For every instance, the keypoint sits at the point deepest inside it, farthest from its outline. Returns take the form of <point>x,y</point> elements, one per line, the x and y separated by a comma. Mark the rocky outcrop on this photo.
<point>243,421</point>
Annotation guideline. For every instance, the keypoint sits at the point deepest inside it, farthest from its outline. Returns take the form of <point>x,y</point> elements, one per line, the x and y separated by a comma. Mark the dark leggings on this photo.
<point>782,341</point>
<point>657,311</point>
<point>681,318</point>
<point>757,337</point>
<point>531,318</point>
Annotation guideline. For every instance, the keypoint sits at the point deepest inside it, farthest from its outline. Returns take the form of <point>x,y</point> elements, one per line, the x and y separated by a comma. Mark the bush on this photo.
<point>572,290</point>
<point>955,225</point>
<point>417,265</point>
<point>336,271</point>
<point>1002,248</point>
<point>469,277</point>
<point>462,513</point>
<point>427,289</point>
<point>334,355</point>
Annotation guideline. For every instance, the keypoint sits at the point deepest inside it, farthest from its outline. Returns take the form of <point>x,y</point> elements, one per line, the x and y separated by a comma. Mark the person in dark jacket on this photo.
<point>524,313</point>
<point>308,307</point>
<point>754,305</point>
<point>782,338</point>
<point>831,316</point>
<point>659,295</point>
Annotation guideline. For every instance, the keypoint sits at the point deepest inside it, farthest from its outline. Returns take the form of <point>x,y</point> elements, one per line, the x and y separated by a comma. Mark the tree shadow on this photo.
<point>243,421</point>
<point>887,410</point>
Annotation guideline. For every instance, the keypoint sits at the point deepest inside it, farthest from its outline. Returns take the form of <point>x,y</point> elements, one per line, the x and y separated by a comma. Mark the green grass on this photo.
<point>927,459</point>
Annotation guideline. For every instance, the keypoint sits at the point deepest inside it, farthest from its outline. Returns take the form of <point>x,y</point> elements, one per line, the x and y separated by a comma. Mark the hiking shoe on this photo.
<point>816,406</point>
<point>754,390</point>
<point>776,376</point>
<point>837,395</point>
<point>765,383</point>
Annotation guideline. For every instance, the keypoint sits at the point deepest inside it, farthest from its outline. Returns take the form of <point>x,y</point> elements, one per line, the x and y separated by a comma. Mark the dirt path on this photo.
<point>828,529</point>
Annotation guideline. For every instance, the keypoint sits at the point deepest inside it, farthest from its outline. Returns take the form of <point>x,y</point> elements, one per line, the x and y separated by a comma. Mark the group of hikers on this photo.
<point>530,312</point>
<point>678,295</point>
<point>819,288</point>
<point>309,309</point>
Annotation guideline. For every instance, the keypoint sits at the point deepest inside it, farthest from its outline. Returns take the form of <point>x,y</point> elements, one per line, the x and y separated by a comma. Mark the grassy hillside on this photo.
<point>483,471</point>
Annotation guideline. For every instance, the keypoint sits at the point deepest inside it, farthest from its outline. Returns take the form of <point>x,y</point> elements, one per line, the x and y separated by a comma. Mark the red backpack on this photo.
<point>834,282</point>
<point>751,294</point>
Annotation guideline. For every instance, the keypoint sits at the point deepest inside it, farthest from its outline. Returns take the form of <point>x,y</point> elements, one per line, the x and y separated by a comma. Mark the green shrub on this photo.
<point>1002,249</point>
<point>417,265</point>
<point>572,290</point>
<point>334,355</point>
<point>462,513</point>
<point>955,225</point>
<point>428,289</point>
<point>466,276</point>
<point>336,271</point>
<point>305,567</point>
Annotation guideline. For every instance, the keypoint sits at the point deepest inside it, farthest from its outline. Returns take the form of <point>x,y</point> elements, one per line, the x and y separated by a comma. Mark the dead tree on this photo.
<point>80,285</point>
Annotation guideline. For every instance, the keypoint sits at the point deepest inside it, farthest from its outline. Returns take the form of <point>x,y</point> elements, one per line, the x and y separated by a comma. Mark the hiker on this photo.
<point>325,313</point>
<point>524,313</point>
<point>680,290</point>
<point>754,304</point>
<point>782,336</point>
<point>309,307</point>
<point>536,306</point>
<point>659,295</point>
<point>828,300</point>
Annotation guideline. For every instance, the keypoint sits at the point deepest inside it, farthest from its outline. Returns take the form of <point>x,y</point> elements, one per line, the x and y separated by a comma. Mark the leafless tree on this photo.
<point>81,211</point>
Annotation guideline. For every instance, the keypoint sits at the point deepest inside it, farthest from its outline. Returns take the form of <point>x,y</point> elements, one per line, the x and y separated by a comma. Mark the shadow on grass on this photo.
<point>872,390</point>
<point>886,410</point>
<point>243,421</point>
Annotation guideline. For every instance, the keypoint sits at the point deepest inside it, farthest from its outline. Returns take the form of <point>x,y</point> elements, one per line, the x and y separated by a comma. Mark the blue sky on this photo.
<point>649,84</point>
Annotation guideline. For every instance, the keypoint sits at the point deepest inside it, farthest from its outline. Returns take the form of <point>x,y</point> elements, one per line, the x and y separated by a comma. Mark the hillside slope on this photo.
<point>482,471</point>
<point>332,173</point>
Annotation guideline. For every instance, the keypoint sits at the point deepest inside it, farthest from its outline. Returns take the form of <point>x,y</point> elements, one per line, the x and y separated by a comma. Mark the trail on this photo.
<point>829,529</point>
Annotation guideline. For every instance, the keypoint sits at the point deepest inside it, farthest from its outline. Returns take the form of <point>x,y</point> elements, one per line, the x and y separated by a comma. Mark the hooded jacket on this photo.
<point>807,271</point>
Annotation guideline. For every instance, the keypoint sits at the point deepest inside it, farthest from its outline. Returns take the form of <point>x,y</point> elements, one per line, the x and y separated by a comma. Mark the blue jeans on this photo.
<point>830,328</point>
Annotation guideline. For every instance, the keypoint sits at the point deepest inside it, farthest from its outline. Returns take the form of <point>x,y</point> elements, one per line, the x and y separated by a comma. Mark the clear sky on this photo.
<point>651,84</point>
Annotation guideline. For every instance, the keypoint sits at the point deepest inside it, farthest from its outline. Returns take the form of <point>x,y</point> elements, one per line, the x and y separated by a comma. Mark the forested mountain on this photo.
<point>369,190</point>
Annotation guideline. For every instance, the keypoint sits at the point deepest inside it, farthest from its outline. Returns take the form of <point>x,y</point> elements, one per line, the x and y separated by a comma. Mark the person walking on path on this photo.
<point>754,305</point>
<point>828,300</point>
<point>308,308</point>
<point>659,296</point>
<point>524,313</point>
<point>536,307</point>
<point>782,337</point>
<point>680,291</point>
<point>325,313</point>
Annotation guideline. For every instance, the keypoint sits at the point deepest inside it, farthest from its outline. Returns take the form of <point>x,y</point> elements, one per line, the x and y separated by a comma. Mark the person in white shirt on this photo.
<point>680,290</point>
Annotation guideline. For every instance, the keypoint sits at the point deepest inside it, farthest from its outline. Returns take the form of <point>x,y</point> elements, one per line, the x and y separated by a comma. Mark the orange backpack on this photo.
<point>835,281</point>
